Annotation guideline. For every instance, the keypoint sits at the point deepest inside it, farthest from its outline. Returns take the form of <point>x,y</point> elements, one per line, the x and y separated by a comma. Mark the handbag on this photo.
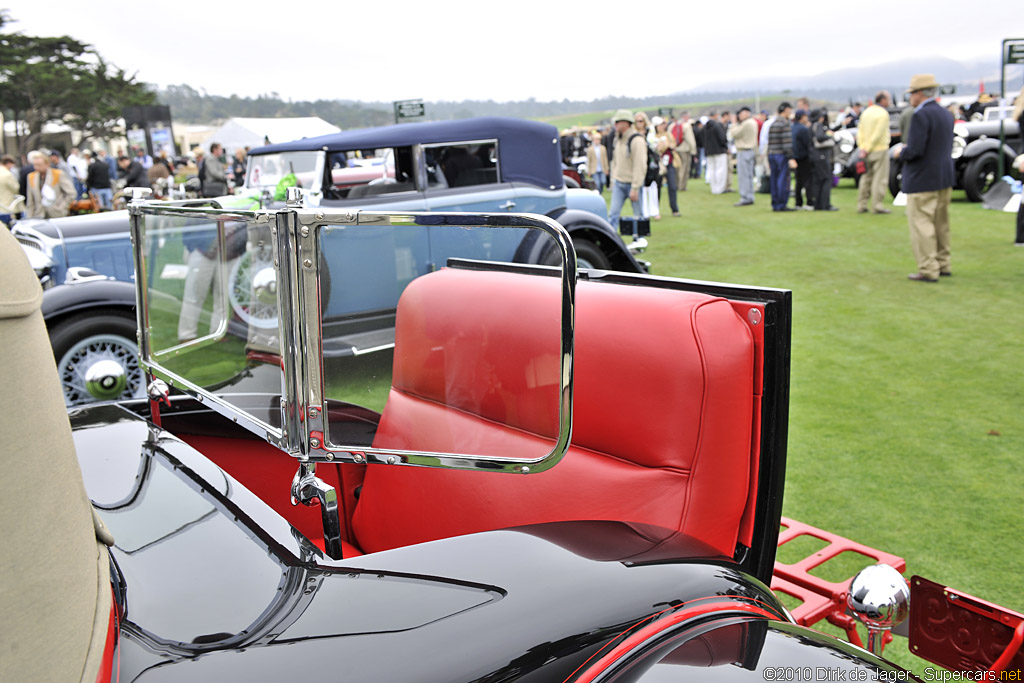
<point>643,226</point>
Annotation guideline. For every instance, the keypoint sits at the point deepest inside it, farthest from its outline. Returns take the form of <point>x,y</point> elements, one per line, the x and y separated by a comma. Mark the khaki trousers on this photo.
<point>875,181</point>
<point>684,169</point>
<point>928,217</point>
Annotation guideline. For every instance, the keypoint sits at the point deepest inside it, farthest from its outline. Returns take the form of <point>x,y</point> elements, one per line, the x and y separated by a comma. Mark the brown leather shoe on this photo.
<point>883,211</point>
<point>862,210</point>
<point>946,274</point>
<point>917,277</point>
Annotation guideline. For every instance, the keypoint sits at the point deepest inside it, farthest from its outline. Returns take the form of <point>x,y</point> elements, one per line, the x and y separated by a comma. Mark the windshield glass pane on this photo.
<point>211,301</point>
<point>421,320</point>
<point>277,172</point>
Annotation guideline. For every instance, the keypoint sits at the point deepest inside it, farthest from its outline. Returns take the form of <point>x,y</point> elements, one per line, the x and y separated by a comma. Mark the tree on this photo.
<point>60,79</point>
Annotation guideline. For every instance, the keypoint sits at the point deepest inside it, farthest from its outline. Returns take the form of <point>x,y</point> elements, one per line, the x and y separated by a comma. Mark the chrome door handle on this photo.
<point>508,205</point>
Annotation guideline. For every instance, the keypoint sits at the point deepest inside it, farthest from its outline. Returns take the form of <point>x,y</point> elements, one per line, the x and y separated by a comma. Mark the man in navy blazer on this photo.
<point>928,176</point>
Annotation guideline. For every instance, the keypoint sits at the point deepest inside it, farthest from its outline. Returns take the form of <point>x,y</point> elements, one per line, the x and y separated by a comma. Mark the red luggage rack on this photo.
<point>823,599</point>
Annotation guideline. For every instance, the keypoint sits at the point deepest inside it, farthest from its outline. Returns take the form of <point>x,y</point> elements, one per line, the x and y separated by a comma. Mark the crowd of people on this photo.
<point>795,144</point>
<point>767,152</point>
<point>51,184</point>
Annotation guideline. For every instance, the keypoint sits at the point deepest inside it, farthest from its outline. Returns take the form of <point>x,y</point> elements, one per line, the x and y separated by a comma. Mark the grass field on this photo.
<point>906,427</point>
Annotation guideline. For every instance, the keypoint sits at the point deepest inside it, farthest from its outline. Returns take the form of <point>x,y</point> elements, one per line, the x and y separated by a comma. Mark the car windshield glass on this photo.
<point>210,299</point>
<point>279,171</point>
<point>400,315</point>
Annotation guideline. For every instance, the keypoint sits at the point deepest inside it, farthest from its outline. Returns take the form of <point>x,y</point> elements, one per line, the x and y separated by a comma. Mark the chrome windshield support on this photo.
<point>307,488</point>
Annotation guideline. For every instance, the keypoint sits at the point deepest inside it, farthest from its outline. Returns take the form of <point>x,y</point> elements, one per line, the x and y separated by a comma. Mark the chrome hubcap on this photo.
<point>88,374</point>
<point>106,380</point>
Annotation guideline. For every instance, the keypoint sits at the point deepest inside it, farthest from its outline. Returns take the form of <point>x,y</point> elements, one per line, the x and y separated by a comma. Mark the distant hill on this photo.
<point>870,77</point>
<point>833,88</point>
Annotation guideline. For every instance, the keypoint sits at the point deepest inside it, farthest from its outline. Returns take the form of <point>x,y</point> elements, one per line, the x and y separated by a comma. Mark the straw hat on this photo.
<point>922,82</point>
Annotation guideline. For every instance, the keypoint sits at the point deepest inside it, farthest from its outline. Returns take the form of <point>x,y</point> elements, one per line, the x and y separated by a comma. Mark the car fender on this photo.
<point>582,224</point>
<point>982,145</point>
<point>63,300</point>
<point>586,200</point>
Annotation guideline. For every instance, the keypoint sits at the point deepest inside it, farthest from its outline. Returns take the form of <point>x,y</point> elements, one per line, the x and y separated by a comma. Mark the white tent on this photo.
<point>241,132</point>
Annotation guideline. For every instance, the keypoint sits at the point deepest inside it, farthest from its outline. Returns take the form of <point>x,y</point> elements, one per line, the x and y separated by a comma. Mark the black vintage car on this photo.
<point>478,507</point>
<point>976,151</point>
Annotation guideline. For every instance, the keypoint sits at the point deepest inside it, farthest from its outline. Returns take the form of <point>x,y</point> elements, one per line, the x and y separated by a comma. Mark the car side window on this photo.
<point>462,164</point>
<point>369,172</point>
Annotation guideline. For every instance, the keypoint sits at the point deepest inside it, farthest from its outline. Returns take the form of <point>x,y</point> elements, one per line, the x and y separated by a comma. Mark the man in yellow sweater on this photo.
<point>873,141</point>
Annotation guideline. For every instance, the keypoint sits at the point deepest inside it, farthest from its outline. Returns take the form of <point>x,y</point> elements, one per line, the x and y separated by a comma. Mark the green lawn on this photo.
<point>906,428</point>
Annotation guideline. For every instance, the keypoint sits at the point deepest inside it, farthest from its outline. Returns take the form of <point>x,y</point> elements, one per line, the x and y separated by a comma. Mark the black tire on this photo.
<point>588,255</point>
<point>895,177</point>
<point>981,174</point>
<point>86,337</point>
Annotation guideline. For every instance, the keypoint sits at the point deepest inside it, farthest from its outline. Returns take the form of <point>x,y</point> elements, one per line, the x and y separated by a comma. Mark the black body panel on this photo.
<point>585,225</point>
<point>743,651</point>
<point>64,299</point>
<point>219,587</point>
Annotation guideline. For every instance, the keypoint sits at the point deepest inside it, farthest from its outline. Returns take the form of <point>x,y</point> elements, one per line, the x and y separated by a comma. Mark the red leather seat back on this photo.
<point>662,415</point>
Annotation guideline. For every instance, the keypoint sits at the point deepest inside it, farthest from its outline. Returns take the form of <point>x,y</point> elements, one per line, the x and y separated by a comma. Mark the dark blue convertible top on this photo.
<point>528,150</point>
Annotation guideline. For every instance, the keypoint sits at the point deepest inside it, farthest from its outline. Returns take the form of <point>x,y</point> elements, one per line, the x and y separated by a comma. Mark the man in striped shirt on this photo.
<point>780,157</point>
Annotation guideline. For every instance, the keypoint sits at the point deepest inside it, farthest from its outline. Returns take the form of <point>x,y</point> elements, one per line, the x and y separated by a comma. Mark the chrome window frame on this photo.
<point>295,238</point>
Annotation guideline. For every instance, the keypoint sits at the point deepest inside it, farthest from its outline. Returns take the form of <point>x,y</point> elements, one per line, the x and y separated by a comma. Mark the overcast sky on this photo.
<point>512,50</point>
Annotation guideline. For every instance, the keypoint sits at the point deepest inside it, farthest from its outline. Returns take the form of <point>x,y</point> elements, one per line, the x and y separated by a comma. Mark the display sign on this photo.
<point>147,121</point>
<point>162,141</point>
<point>409,109</point>
<point>1014,52</point>
<point>136,140</point>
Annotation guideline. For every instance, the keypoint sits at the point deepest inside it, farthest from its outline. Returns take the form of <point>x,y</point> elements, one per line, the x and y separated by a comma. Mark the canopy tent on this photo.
<point>244,132</point>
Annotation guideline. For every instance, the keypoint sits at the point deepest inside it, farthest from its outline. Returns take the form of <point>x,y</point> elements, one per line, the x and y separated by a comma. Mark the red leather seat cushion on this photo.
<point>662,416</point>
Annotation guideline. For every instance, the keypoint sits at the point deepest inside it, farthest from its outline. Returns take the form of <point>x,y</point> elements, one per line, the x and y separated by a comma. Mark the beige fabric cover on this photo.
<point>54,576</point>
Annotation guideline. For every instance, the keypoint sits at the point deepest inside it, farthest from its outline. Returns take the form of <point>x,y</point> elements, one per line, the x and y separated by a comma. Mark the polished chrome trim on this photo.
<point>316,443</point>
<point>148,361</point>
<point>295,236</point>
<point>79,274</point>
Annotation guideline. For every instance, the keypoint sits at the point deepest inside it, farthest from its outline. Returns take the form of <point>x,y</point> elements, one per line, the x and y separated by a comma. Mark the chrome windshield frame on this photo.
<point>149,360</point>
<point>309,410</point>
<point>296,241</point>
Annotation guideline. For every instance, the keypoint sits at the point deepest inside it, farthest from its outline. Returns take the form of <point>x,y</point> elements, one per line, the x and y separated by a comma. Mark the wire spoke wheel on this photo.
<point>240,293</point>
<point>75,363</point>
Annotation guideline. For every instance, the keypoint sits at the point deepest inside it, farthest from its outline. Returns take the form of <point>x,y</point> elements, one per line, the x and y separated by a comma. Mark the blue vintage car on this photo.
<point>490,164</point>
<point>478,165</point>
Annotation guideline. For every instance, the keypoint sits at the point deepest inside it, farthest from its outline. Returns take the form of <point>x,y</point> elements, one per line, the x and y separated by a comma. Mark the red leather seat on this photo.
<point>664,408</point>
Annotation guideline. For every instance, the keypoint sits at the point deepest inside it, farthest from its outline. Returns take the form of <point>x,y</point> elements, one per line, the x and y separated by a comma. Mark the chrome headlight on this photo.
<point>959,145</point>
<point>845,141</point>
<point>41,263</point>
<point>960,130</point>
